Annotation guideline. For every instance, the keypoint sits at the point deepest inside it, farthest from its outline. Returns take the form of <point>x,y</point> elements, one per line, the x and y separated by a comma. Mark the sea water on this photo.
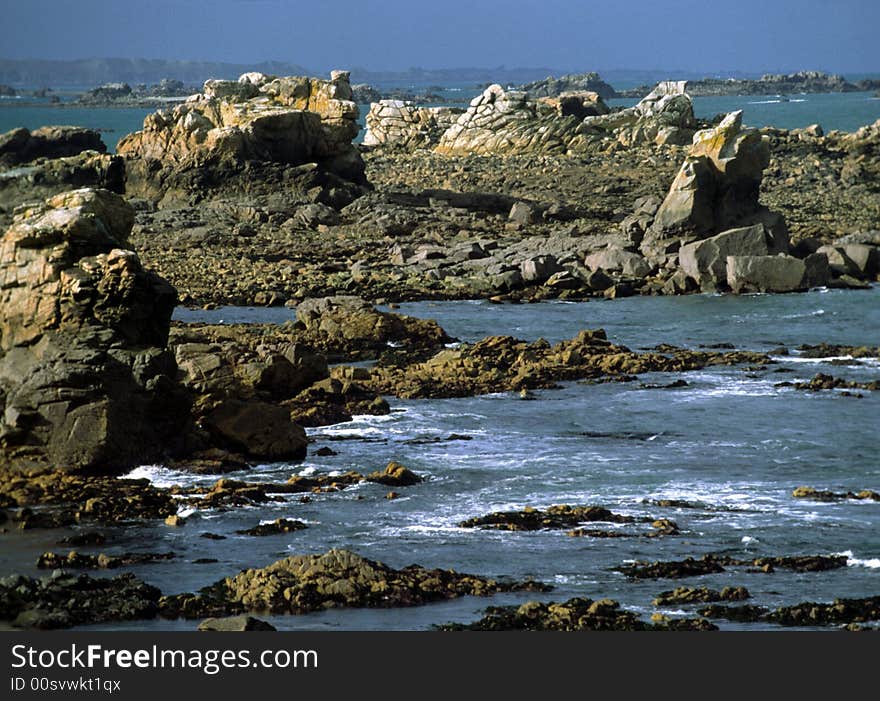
<point>731,442</point>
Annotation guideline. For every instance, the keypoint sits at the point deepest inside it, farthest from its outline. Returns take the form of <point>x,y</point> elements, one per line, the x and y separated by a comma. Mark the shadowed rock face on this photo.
<point>256,119</point>
<point>23,146</point>
<point>85,379</point>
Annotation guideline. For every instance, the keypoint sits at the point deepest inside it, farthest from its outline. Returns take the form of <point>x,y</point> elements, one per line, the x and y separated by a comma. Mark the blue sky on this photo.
<point>746,35</point>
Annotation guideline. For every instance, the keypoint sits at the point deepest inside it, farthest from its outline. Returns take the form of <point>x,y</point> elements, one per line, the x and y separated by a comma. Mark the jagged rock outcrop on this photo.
<point>258,119</point>
<point>715,190</point>
<point>86,382</point>
<point>497,121</point>
<point>663,116</point>
<point>400,123</point>
<point>23,146</point>
<point>500,121</point>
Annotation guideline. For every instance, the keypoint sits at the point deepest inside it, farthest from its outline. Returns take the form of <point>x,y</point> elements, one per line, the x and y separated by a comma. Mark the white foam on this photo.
<point>748,540</point>
<point>158,476</point>
<point>853,561</point>
<point>765,102</point>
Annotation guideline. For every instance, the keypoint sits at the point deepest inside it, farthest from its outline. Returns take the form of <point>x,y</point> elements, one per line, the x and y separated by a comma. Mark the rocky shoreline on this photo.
<point>252,192</point>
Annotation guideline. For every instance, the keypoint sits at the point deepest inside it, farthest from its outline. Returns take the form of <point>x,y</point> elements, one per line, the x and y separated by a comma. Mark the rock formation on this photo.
<point>553,87</point>
<point>500,121</point>
<point>664,116</point>
<point>717,188</point>
<point>85,380</point>
<point>23,146</point>
<point>399,123</point>
<point>258,119</point>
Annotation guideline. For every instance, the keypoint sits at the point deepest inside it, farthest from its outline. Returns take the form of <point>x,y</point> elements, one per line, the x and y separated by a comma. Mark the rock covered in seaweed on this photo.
<point>337,578</point>
<point>578,614</point>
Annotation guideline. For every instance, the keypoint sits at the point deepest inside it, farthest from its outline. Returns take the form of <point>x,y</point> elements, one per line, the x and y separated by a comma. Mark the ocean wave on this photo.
<point>853,561</point>
<point>765,102</point>
<point>160,476</point>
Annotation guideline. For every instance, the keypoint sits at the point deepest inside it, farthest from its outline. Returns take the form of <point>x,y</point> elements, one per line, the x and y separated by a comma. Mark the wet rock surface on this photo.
<point>503,363</point>
<point>701,595</point>
<point>62,601</point>
<point>280,525</point>
<point>235,624</point>
<point>814,494</point>
<point>821,381</point>
<point>52,499</point>
<point>338,578</point>
<point>554,517</point>
<point>574,615</point>
<point>839,612</point>
<point>713,564</point>
<point>82,561</point>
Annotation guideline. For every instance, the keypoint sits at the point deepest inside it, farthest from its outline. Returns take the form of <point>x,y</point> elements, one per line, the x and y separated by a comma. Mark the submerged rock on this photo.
<point>554,517</point>
<point>703,595</point>
<point>503,363</point>
<point>235,624</point>
<point>713,564</point>
<point>279,525</point>
<point>76,560</point>
<point>814,494</point>
<point>839,612</point>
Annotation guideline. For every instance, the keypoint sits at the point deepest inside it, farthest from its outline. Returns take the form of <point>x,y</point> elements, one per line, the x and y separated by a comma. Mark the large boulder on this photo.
<point>257,119</point>
<point>23,146</point>
<point>257,429</point>
<point>619,261</point>
<point>706,261</point>
<point>765,273</point>
<point>716,189</point>
<point>403,124</point>
<point>86,382</point>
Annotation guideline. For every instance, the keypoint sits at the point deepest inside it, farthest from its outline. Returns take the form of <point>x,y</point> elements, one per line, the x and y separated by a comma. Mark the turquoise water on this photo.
<point>843,111</point>
<point>730,441</point>
<point>114,123</point>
